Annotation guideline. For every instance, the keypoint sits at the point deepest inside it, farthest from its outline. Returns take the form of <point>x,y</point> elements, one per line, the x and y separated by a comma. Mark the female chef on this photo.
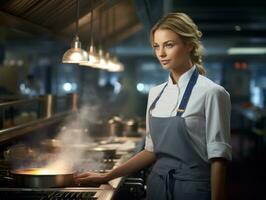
<point>188,122</point>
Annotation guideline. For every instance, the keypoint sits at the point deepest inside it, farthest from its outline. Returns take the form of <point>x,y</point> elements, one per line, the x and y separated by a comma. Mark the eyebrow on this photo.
<point>165,42</point>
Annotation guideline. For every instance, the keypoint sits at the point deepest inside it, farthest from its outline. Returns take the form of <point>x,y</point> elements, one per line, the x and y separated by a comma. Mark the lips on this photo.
<point>165,62</point>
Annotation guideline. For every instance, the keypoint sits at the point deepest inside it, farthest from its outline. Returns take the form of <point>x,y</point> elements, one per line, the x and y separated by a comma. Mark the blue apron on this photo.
<point>179,172</point>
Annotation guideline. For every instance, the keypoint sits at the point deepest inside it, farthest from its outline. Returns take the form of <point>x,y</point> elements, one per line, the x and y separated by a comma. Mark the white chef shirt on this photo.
<point>207,115</point>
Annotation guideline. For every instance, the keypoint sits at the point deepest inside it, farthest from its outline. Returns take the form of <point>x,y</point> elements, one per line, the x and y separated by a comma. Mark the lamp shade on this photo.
<point>75,54</point>
<point>93,58</point>
<point>102,62</point>
<point>115,66</point>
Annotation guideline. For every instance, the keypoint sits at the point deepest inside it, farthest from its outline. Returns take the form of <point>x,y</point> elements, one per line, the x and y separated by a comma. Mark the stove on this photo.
<point>45,195</point>
<point>98,167</point>
<point>72,193</point>
<point>10,191</point>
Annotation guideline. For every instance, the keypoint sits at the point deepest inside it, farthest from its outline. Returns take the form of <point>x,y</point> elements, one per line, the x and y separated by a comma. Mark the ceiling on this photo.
<point>220,18</point>
<point>224,23</point>
<point>56,19</point>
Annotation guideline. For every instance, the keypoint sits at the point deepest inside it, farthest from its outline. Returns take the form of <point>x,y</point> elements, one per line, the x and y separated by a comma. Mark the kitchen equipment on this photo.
<point>101,152</point>
<point>19,154</point>
<point>131,128</point>
<point>92,150</point>
<point>55,145</point>
<point>41,177</point>
<point>10,188</point>
<point>97,128</point>
<point>49,194</point>
<point>115,126</point>
<point>51,145</point>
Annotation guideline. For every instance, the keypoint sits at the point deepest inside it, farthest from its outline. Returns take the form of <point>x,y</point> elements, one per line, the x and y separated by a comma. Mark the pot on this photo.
<point>97,129</point>
<point>131,128</point>
<point>19,154</point>
<point>41,178</point>
<point>101,152</point>
<point>115,127</point>
<point>51,145</point>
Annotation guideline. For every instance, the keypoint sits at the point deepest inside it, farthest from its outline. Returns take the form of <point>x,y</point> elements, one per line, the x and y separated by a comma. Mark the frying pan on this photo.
<point>41,178</point>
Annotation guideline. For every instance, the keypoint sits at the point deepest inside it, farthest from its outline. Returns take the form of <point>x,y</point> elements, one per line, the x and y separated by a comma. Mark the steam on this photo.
<point>75,141</point>
<point>72,145</point>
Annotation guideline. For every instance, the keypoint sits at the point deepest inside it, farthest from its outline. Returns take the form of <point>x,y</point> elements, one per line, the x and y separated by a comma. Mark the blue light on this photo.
<point>67,87</point>
<point>140,87</point>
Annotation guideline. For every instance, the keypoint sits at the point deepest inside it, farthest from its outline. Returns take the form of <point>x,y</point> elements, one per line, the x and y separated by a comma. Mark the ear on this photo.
<point>190,46</point>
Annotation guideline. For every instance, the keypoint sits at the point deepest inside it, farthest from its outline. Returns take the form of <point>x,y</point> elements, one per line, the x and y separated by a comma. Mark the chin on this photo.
<point>167,67</point>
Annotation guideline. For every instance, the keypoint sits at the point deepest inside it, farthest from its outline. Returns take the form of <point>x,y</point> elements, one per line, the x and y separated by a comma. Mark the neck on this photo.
<point>177,72</point>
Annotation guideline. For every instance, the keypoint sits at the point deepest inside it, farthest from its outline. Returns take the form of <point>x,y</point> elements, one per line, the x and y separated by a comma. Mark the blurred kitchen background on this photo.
<point>35,84</point>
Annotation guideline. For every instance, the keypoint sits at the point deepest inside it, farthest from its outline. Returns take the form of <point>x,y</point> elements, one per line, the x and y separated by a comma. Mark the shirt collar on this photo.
<point>183,79</point>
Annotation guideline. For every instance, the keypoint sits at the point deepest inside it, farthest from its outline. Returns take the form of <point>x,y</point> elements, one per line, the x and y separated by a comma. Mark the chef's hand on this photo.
<point>89,177</point>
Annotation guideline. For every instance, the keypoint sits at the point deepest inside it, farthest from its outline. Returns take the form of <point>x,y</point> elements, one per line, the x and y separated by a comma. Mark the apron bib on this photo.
<point>179,173</point>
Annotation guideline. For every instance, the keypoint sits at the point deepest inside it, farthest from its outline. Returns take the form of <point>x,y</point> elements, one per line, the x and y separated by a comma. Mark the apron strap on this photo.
<point>187,93</point>
<point>185,98</point>
<point>157,98</point>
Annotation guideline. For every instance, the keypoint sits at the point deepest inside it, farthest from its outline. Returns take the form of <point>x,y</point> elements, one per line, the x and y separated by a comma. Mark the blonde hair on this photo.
<point>183,25</point>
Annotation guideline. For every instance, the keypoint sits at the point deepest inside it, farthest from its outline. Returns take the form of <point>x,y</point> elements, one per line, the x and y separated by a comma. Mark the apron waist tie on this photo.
<point>168,186</point>
<point>169,177</point>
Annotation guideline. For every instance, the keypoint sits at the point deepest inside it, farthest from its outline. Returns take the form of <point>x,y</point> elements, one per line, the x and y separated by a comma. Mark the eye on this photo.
<point>155,46</point>
<point>169,45</point>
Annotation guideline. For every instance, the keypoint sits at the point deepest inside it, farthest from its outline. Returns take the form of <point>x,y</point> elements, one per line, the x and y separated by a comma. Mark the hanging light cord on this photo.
<point>107,27</point>
<point>113,24</point>
<point>91,23</point>
<point>100,26</point>
<point>77,20</point>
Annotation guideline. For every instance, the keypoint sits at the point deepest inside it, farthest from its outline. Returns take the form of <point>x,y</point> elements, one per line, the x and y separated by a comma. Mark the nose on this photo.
<point>161,53</point>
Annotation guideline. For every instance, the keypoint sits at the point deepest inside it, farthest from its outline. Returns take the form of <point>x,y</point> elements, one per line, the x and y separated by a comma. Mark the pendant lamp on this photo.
<point>75,54</point>
<point>101,57</point>
<point>113,63</point>
<point>93,56</point>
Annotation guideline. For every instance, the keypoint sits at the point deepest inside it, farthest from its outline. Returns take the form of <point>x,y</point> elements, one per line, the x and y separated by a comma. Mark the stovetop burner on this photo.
<point>99,167</point>
<point>46,195</point>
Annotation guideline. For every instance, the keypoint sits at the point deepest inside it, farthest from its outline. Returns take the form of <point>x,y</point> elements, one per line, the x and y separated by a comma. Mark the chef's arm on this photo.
<point>218,178</point>
<point>134,164</point>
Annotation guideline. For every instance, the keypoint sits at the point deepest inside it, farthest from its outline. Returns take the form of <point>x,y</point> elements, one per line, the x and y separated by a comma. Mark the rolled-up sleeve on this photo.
<point>218,111</point>
<point>148,140</point>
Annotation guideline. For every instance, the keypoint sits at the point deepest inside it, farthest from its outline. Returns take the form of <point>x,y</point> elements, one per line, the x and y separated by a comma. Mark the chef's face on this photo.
<point>172,52</point>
